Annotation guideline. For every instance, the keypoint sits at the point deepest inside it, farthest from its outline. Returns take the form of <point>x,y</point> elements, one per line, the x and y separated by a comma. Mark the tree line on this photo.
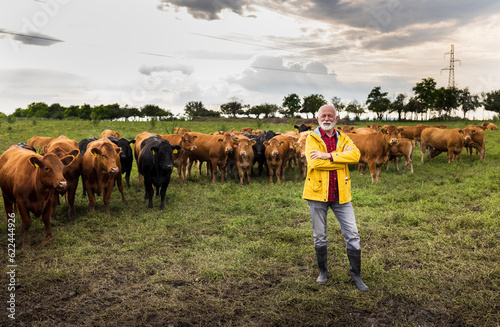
<point>428,102</point>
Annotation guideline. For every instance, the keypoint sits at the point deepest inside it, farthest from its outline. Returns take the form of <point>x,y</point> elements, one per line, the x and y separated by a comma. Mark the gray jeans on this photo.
<point>345,216</point>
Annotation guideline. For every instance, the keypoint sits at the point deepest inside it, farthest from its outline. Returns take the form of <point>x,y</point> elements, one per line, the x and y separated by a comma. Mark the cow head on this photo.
<point>244,146</point>
<point>391,134</point>
<point>187,142</point>
<point>227,142</point>
<point>106,155</point>
<point>163,154</point>
<point>50,170</point>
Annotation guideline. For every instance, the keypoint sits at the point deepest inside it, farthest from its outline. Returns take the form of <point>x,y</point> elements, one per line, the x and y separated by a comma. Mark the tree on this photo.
<point>55,111</point>
<point>266,109</point>
<point>414,106</point>
<point>151,110</point>
<point>195,109</point>
<point>339,106</point>
<point>378,102</point>
<point>71,111</point>
<point>312,103</point>
<point>291,105</point>
<point>491,101</point>
<point>85,111</point>
<point>355,108</point>
<point>446,101</point>
<point>398,105</point>
<point>232,108</point>
<point>468,101</point>
<point>425,92</point>
<point>37,109</point>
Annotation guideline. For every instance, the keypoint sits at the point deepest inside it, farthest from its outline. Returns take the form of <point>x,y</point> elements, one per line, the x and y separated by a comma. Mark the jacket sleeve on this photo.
<point>340,159</point>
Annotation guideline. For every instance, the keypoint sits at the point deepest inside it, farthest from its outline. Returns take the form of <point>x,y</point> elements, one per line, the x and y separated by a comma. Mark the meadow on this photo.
<point>226,254</point>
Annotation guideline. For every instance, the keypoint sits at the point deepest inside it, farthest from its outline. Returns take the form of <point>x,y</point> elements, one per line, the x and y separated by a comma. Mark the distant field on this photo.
<point>226,254</point>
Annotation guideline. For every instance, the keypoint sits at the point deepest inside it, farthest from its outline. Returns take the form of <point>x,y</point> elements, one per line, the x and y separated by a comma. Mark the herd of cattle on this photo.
<point>33,175</point>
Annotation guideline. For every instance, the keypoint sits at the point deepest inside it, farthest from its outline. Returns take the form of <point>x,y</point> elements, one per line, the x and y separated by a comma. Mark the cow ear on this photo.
<point>400,130</point>
<point>281,143</point>
<point>461,131</point>
<point>252,142</point>
<point>154,149</point>
<point>35,162</point>
<point>131,142</point>
<point>68,159</point>
<point>220,140</point>
<point>74,153</point>
<point>266,143</point>
<point>44,149</point>
<point>176,149</point>
<point>118,150</point>
<point>95,151</point>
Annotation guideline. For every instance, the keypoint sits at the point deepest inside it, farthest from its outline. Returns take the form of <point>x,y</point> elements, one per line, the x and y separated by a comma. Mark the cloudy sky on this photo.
<point>170,52</point>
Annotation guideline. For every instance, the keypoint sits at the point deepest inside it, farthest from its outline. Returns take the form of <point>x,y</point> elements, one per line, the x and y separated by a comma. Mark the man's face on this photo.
<point>327,119</point>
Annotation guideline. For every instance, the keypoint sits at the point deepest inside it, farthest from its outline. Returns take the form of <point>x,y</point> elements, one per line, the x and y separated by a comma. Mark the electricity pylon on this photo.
<point>451,76</point>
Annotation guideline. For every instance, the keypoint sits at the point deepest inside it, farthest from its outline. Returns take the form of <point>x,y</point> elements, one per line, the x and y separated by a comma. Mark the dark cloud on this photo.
<point>207,9</point>
<point>32,38</point>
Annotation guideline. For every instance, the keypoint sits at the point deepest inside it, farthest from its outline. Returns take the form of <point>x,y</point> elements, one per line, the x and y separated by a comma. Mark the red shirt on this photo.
<point>331,145</point>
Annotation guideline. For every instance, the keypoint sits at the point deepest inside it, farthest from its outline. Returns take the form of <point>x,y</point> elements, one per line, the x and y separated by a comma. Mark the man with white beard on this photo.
<point>328,186</point>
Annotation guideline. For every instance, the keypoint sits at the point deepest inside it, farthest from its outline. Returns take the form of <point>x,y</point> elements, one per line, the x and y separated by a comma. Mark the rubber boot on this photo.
<point>355,269</point>
<point>321,256</point>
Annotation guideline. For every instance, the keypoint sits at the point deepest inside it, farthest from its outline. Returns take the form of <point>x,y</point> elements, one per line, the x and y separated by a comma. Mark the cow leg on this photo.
<point>378,171</point>
<point>71,200</point>
<point>127,178</point>
<point>278,173</point>
<point>54,205</point>
<point>249,173</point>
<point>163,193</point>
<point>271,172</point>
<point>119,183</point>
<point>106,197</point>
<point>92,200</point>
<point>46,214</point>
<point>148,192</point>
<point>25,225</point>
<point>396,163</point>
<point>373,171</point>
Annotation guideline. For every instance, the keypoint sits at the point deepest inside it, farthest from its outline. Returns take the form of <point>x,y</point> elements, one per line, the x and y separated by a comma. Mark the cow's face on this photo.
<point>106,156</point>
<point>244,146</point>
<point>163,154</point>
<point>187,142</point>
<point>274,147</point>
<point>227,142</point>
<point>391,134</point>
<point>50,170</point>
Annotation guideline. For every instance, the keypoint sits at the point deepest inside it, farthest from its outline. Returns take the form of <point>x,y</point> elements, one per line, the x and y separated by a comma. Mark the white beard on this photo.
<point>326,126</point>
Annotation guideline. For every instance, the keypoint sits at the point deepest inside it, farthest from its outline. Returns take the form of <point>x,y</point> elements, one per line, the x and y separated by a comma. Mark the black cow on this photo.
<point>126,156</point>
<point>259,149</point>
<point>270,135</point>
<point>82,146</point>
<point>302,128</point>
<point>155,163</point>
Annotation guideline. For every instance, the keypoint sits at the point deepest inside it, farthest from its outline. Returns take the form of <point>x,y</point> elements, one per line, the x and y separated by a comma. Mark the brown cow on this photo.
<point>477,140</point>
<point>28,181</point>
<point>404,148</point>
<point>108,132</point>
<point>186,141</point>
<point>38,142</point>
<point>276,152</point>
<point>435,141</point>
<point>213,149</point>
<point>243,156</point>
<point>300,152</point>
<point>375,148</point>
<point>100,169</point>
<point>180,130</point>
<point>345,128</point>
<point>363,130</point>
<point>374,126</point>
<point>61,147</point>
<point>486,125</point>
<point>247,130</point>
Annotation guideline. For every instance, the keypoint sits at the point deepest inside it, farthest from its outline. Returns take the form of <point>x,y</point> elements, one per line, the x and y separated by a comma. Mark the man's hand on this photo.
<point>315,154</point>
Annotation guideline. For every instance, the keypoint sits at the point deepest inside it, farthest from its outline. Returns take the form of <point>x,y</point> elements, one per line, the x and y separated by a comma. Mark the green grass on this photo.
<point>226,254</point>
